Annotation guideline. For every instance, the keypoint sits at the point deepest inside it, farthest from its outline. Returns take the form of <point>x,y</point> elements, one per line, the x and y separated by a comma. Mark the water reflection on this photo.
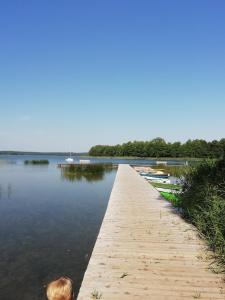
<point>48,226</point>
<point>91,173</point>
<point>8,191</point>
<point>4,162</point>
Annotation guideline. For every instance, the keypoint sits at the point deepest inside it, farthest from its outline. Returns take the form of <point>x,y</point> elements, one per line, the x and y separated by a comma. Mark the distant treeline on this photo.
<point>158,147</point>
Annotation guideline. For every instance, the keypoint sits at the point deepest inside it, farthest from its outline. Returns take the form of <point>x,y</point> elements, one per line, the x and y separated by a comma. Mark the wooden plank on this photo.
<point>144,250</point>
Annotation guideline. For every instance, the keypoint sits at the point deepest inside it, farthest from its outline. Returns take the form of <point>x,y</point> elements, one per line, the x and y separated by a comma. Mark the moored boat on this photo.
<point>69,159</point>
<point>158,180</point>
<point>154,175</point>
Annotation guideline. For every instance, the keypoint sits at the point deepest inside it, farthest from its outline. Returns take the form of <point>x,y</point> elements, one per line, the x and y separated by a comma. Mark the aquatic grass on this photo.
<point>36,162</point>
<point>91,172</point>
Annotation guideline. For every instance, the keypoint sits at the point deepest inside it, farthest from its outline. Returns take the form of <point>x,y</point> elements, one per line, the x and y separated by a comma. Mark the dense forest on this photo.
<point>158,147</point>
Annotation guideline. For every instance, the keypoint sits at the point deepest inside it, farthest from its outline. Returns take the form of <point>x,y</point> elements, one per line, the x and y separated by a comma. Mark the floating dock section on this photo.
<point>145,251</point>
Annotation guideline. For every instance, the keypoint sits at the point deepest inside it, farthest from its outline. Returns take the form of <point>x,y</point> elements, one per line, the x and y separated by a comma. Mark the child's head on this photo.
<point>60,289</point>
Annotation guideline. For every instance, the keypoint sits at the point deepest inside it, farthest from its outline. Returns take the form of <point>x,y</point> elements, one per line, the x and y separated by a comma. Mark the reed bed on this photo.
<point>36,162</point>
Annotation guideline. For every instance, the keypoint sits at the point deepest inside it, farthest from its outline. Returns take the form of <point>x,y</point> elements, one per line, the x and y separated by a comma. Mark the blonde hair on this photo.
<point>60,289</point>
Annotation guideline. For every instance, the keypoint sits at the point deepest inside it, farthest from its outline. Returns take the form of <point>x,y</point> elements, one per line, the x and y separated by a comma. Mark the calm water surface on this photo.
<point>48,226</point>
<point>54,159</point>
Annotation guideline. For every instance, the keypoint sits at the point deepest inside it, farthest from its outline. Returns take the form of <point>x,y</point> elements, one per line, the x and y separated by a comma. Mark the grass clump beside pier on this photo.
<point>173,198</point>
<point>96,295</point>
<point>36,162</point>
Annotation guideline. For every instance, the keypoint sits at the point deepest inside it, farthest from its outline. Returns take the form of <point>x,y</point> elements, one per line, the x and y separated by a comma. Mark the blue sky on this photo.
<point>78,73</point>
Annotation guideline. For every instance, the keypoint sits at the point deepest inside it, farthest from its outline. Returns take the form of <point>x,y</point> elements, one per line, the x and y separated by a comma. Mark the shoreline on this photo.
<point>148,158</point>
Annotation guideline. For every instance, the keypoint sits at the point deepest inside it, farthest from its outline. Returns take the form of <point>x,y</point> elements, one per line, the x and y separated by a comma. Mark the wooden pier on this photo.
<point>145,251</point>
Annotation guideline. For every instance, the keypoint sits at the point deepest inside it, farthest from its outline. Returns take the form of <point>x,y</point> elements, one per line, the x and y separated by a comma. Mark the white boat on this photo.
<point>85,161</point>
<point>161,162</point>
<point>158,180</point>
<point>69,159</point>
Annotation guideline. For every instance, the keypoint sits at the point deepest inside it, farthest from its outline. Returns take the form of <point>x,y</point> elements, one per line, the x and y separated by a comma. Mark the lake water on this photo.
<point>54,159</point>
<point>48,225</point>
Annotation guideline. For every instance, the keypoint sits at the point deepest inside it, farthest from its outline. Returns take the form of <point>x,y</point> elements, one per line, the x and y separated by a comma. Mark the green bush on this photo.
<point>173,198</point>
<point>203,203</point>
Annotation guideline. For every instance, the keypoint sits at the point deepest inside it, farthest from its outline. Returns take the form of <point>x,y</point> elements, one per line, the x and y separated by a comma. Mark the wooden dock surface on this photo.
<point>144,250</point>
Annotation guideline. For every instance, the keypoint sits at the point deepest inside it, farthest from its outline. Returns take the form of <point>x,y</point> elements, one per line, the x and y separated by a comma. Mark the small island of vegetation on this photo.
<point>90,172</point>
<point>36,162</point>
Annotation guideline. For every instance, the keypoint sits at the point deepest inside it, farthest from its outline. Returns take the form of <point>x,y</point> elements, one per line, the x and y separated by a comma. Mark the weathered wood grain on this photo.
<point>144,250</point>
